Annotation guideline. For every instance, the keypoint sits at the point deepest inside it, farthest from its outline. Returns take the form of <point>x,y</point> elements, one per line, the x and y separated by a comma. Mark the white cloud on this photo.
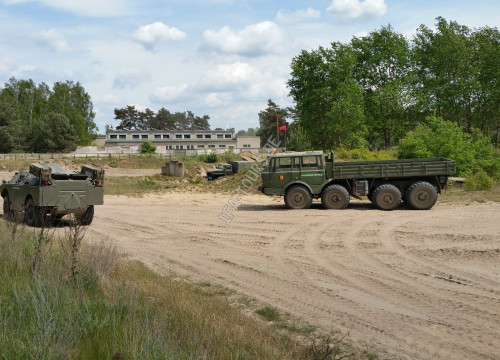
<point>297,16</point>
<point>23,69</point>
<point>213,100</point>
<point>91,8</point>
<point>257,39</point>
<point>111,99</point>
<point>238,81</point>
<point>229,77</point>
<point>153,34</point>
<point>53,40</point>
<point>169,93</point>
<point>356,9</point>
<point>131,78</point>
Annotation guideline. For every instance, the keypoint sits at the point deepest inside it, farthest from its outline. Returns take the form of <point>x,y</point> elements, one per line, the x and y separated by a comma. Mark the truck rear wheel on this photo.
<point>386,197</point>
<point>298,197</point>
<point>421,195</point>
<point>335,197</point>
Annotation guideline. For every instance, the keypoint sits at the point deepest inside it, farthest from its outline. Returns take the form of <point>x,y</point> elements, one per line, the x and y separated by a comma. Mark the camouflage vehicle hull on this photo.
<point>48,190</point>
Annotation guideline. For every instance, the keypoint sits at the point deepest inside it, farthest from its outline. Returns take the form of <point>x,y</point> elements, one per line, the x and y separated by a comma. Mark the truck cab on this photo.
<point>283,169</point>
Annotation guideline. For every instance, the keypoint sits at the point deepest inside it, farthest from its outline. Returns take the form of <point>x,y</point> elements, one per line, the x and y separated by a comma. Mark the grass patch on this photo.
<point>462,196</point>
<point>269,313</point>
<point>118,309</point>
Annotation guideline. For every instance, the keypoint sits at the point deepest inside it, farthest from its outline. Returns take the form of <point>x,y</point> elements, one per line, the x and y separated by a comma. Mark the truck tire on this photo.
<point>298,197</point>
<point>86,217</point>
<point>335,197</point>
<point>386,197</point>
<point>421,195</point>
<point>7,214</point>
<point>33,214</point>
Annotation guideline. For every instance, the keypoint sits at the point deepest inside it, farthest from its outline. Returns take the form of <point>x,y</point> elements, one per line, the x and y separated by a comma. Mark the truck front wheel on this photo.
<point>421,195</point>
<point>298,197</point>
<point>386,197</point>
<point>335,197</point>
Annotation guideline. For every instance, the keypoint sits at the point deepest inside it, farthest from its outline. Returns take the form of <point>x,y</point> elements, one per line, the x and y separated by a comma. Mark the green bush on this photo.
<point>147,147</point>
<point>439,138</point>
<point>363,154</point>
<point>211,158</point>
<point>269,313</point>
<point>478,181</point>
<point>229,156</point>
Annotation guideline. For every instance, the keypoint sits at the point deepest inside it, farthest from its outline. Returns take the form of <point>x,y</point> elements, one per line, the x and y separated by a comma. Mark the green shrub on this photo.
<point>363,154</point>
<point>211,158</point>
<point>440,138</point>
<point>478,181</point>
<point>147,147</point>
<point>229,156</point>
<point>269,313</point>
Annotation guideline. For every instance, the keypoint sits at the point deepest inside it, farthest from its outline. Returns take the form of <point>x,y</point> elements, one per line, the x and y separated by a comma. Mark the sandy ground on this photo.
<point>412,284</point>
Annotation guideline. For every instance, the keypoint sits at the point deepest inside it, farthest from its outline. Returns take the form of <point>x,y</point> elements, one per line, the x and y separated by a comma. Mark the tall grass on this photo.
<point>116,309</point>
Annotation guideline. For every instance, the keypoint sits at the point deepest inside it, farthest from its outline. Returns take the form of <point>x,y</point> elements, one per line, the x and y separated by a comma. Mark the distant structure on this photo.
<point>175,142</point>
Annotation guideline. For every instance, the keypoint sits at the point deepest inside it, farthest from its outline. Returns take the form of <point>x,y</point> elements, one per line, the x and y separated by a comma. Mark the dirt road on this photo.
<point>419,284</point>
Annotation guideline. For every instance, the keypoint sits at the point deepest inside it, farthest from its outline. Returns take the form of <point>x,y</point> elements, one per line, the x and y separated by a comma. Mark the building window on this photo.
<point>122,136</point>
<point>246,145</point>
<point>199,136</point>
<point>190,147</point>
<point>227,136</point>
<point>179,147</point>
<point>222,146</point>
<point>144,136</point>
<point>166,136</point>
<point>220,136</point>
<point>157,136</point>
<point>135,136</point>
<point>178,136</point>
<point>201,146</point>
<point>211,146</point>
<point>208,136</point>
<point>113,136</point>
<point>168,147</point>
<point>187,136</point>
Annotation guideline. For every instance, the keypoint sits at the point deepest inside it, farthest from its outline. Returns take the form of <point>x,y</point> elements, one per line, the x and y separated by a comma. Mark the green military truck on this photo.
<point>302,176</point>
<point>220,171</point>
<point>46,189</point>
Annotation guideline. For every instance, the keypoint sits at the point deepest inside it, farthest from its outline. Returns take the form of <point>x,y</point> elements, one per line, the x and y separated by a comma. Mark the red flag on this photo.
<point>283,127</point>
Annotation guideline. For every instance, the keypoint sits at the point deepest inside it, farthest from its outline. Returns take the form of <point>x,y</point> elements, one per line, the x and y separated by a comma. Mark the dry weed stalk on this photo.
<point>74,236</point>
<point>43,234</point>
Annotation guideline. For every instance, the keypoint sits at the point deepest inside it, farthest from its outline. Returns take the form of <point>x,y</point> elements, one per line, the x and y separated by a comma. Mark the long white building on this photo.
<point>193,141</point>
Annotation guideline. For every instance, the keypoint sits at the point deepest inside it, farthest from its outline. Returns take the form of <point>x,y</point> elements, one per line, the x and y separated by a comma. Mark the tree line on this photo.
<point>37,118</point>
<point>374,90</point>
<point>132,119</point>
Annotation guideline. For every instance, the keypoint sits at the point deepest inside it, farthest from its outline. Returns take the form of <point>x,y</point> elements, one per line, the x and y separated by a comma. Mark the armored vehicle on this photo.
<point>46,189</point>
<point>302,176</point>
<point>220,171</point>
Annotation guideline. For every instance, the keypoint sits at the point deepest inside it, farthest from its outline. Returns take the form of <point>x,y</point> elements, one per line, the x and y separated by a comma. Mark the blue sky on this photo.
<point>222,58</point>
